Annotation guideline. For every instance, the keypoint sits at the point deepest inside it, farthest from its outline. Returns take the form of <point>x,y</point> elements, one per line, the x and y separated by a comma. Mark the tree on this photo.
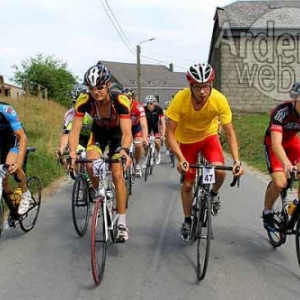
<point>50,73</point>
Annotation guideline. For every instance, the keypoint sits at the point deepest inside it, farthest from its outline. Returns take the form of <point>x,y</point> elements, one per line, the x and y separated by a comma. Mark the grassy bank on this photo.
<point>42,121</point>
<point>250,130</point>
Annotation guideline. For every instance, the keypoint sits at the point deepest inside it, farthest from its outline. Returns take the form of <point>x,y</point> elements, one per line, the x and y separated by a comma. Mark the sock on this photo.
<point>268,211</point>
<point>26,194</point>
<point>214,194</point>
<point>188,220</point>
<point>122,220</point>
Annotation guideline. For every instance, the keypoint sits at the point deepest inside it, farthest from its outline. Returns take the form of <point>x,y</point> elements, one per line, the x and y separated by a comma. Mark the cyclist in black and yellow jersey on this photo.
<point>110,111</point>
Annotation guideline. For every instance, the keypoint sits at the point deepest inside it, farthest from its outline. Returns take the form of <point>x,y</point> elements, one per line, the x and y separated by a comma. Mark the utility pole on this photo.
<point>138,66</point>
<point>138,69</point>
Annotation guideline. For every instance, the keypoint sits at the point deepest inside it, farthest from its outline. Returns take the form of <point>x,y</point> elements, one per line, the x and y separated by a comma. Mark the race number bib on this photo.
<point>99,169</point>
<point>208,175</point>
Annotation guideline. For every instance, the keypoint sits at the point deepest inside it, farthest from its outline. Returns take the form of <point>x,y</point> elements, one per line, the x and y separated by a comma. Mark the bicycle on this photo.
<point>201,227</point>
<point>284,223</point>
<point>105,215</point>
<point>150,157</point>
<point>26,221</point>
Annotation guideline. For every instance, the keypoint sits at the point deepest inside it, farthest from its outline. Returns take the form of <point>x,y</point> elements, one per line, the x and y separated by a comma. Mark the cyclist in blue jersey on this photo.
<point>13,145</point>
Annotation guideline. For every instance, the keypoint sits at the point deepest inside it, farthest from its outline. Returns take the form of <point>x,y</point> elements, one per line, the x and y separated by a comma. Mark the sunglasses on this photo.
<point>198,88</point>
<point>149,103</point>
<point>97,88</point>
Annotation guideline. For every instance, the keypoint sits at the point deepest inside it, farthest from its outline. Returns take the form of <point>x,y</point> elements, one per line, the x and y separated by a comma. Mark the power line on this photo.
<point>120,32</point>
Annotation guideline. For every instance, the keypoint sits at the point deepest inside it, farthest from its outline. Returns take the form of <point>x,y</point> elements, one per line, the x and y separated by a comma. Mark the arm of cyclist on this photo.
<point>183,165</point>
<point>144,126</point>
<point>23,143</point>
<point>234,148</point>
<point>163,125</point>
<point>74,138</point>
<point>276,139</point>
<point>125,124</point>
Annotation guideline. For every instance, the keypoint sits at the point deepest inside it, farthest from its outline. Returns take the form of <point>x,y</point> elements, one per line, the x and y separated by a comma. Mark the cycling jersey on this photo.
<point>153,118</point>
<point>137,112</point>
<point>285,119</point>
<point>86,126</point>
<point>104,130</point>
<point>194,126</point>
<point>9,123</point>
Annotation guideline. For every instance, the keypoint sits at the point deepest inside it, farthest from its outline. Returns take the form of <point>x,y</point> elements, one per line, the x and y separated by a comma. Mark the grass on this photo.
<point>42,120</point>
<point>250,130</point>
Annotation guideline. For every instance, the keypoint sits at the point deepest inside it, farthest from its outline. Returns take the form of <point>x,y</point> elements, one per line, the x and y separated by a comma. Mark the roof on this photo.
<point>151,75</point>
<point>245,14</point>
<point>9,86</point>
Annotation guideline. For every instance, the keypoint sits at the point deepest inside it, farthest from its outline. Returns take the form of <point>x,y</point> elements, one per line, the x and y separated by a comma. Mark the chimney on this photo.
<point>171,67</point>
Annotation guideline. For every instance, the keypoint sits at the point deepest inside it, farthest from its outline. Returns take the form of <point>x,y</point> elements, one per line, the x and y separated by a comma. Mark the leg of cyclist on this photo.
<point>279,179</point>
<point>212,151</point>
<point>190,152</point>
<point>137,137</point>
<point>121,192</point>
<point>157,147</point>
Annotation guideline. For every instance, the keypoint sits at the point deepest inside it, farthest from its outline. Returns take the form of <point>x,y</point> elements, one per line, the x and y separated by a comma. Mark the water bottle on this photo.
<point>292,206</point>
<point>88,181</point>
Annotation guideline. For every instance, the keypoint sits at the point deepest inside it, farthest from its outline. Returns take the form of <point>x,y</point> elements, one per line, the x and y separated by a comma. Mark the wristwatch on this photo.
<point>123,148</point>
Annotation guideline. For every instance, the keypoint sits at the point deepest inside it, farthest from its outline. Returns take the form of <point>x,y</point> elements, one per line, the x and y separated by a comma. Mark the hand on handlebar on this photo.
<point>183,166</point>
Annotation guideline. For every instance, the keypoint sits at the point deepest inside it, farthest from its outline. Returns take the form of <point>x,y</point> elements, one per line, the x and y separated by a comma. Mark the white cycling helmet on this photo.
<point>200,73</point>
<point>97,75</point>
<point>150,99</point>
<point>167,104</point>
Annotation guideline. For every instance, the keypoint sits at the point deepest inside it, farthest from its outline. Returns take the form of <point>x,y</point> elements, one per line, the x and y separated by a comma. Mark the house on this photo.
<point>157,80</point>
<point>255,50</point>
<point>12,91</point>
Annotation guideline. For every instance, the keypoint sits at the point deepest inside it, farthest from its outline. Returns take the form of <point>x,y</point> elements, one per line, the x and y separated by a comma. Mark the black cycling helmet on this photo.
<point>97,75</point>
<point>78,89</point>
<point>295,91</point>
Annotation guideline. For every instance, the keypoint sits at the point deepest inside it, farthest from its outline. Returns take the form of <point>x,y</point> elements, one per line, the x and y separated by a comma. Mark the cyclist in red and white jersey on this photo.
<point>282,150</point>
<point>139,129</point>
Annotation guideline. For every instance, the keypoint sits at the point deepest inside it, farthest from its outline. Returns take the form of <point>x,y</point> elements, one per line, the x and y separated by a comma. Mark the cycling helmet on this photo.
<point>167,104</point>
<point>97,75</point>
<point>295,91</point>
<point>79,89</point>
<point>200,73</point>
<point>132,93</point>
<point>127,92</point>
<point>150,99</point>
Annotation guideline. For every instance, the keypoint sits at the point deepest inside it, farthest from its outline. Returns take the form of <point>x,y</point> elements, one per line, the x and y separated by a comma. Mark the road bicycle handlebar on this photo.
<point>235,180</point>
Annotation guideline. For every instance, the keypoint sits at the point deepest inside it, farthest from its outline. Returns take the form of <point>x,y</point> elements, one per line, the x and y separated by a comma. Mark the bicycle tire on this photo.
<point>28,220</point>
<point>1,216</point>
<point>172,158</point>
<point>114,212</point>
<point>128,181</point>
<point>151,164</point>
<point>278,237</point>
<point>204,226</point>
<point>80,205</point>
<point>297,241</point>
<point>98,242</point>
<point>148,163</point>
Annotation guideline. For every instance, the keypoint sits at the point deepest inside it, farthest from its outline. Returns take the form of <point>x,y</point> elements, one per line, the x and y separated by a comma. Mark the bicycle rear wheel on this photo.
<point>28,220</point>
<point>80,205</point>
<point>98,242</point>
<point>203,236</point>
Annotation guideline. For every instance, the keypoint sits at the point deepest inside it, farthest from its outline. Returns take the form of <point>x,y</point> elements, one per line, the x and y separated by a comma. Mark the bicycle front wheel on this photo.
<point>148,164</point>
<point>80,205</point>
<point>203,236</point>
<point>28,220</point>
<point>98,242</point>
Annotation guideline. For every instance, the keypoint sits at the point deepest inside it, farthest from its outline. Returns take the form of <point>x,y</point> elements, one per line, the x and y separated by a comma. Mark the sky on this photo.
<point>80,32</point>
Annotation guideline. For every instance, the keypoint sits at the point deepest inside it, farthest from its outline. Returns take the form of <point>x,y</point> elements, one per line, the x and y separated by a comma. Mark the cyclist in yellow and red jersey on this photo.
<point>111,127</point>
<point>139,129</point>
<point>193,121</point>
<point>282,151</point>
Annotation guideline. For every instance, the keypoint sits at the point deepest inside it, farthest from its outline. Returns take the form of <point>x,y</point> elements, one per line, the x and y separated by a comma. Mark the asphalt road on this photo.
<point>52,262</point>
